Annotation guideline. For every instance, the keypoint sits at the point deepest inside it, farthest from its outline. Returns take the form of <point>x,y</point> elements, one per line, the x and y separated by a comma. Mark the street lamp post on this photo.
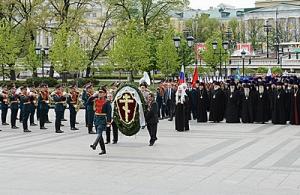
<point>42,51</point>
<point>220,53</point>
<point>243,53</point>
<point>267,28</point>
<point>280,55</point>
<point>190,43</point>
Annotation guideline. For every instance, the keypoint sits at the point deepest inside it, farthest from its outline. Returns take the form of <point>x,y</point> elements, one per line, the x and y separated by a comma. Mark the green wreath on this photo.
<point>133,127</point>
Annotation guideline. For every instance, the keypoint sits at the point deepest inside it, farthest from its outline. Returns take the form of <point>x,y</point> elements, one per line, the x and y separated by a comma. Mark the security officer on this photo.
<point>59,99</point>
<point>14,106</point>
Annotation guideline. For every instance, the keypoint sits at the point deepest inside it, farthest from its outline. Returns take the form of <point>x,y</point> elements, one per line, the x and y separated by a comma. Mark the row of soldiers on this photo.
<point>235,101</point>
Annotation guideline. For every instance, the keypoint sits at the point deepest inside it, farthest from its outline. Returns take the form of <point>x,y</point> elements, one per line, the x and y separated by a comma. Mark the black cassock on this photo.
<point>182,116</point>
<point>202,105</point>
<point>288,103</point>
<point>217,105</point>
<point>278,107</point>
<point>247,107</point>
<point>232,107</point>
<point>261,108</point>
<point>295,108</point>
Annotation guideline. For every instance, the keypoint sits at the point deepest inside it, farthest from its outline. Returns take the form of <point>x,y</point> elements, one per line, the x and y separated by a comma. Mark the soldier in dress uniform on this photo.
<point>33,105</point>
<point>102,118</point>
<point>90,108</point>
<point>59,99</point>
<point>14,106</point>
<point>4,104</point>
<point>73,101</point>
<point>43,105</point>
<point>25,101</point>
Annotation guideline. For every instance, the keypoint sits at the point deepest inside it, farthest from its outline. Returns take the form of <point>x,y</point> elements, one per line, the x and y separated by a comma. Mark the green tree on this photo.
<point>66,54</point>
<point>9,49</point>
<point>277,70</point>
<point>203,27</point>
<point>31,60</point>
<point>262,70</point>
<point>131,52</point>
<point>167,58</point>
<point>255,28</point>
<point>211,56</point>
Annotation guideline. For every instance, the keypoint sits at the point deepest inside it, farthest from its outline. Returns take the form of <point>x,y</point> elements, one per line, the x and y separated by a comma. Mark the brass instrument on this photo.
<point>75,97</point>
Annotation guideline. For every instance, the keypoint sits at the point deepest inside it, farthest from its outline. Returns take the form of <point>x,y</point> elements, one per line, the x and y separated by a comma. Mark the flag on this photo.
<point>195,76</point>
<point>181,75</point>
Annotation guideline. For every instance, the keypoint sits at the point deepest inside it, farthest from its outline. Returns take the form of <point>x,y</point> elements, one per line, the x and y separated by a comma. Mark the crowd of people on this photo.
<point>256,100</point>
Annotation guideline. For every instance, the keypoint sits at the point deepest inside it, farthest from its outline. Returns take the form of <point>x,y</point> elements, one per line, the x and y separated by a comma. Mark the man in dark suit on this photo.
<point>170,100</point>
<point>151,117</point>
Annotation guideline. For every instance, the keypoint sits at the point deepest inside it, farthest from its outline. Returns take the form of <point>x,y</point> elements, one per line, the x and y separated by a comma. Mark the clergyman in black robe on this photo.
<point>247,105</point>
<point>202,103</point>
<point>278,105</point>
<point>261,108</point>
<point>233,104</point>
<point>295,105</point>
<point>217,104</point>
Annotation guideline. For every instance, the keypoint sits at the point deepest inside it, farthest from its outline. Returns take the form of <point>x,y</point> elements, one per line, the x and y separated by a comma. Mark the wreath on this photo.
<point>132,128</point>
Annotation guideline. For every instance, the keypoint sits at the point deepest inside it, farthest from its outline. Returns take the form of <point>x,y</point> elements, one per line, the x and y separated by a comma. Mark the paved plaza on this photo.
<point>212,159</point>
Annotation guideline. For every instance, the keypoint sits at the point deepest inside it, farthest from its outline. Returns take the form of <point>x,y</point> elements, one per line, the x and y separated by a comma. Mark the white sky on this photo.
<point>205,4</point>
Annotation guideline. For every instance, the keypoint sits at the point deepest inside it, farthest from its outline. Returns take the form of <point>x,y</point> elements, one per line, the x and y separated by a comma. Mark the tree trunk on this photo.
<point>88,71</point>
<point>12,73</point>
<point>64,78</point>
<point>131,77</point>
<point>51,73</point>
<point>34,73</point>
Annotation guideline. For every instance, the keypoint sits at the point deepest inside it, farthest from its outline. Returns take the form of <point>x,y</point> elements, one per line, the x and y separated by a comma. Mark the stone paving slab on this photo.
<point>211,158</point>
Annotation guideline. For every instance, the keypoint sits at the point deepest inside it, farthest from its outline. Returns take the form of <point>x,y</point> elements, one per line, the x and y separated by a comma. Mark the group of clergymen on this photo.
<point>258,100</point>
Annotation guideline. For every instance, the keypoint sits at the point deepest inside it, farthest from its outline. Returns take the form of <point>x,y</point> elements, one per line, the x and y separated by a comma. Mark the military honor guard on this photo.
<point>4,104</point>
<point>14,107</point>
<point>74,105</point>
<point>102,118</point>
<point>90,108</point>
<point>25,101</point>
<point>43,105</point>
<point>59,98</point>
<point>33,104</point>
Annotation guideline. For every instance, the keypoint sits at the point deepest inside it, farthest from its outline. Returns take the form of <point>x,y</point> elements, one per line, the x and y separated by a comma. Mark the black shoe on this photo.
<point>43,128</point>
<point>114,142</point>
<point>92,132</point>
<point>5,124</point>
<point>48,122</point>
<point>102,152</point>
<point>74,128</point>
<point>151,144</point>
<point>93,147</point>
<point>26,131</point>
<point>170,120</point>
<point>62,125</point>
<point>33,124</point>
<point>15,127</point>
<point>107,142</point>
<point>63,119</point>
<point>76,123</point>
<point>59,131</point>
